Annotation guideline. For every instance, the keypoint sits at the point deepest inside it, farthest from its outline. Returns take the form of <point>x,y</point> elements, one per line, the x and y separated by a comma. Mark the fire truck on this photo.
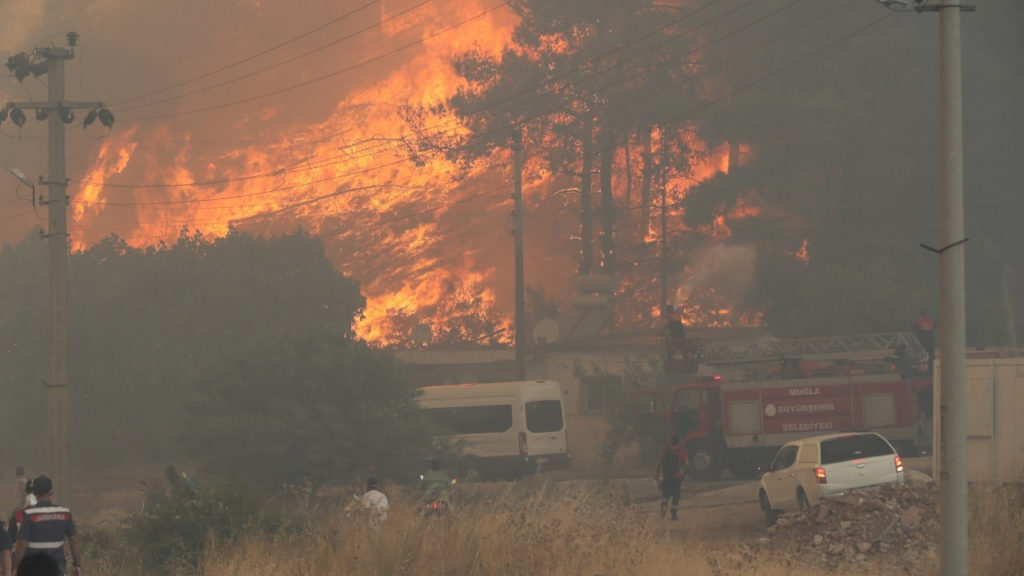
<point>763,394</point>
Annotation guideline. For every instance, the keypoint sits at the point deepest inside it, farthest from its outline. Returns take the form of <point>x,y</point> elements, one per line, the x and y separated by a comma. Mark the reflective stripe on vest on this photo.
<point>45,545</point>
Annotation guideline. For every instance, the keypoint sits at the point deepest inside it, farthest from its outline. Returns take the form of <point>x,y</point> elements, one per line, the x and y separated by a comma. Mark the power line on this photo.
<point>389,148</point>
<point>324,76</point>
<point>703,72</point>
<point>748,85</point>
<point>355,229</point>
<point>250,58</point>
<point>281,63</point>
<point>441,130</point>
<point>254,194</point>
<point>783,68</point>
<point>292,168</point>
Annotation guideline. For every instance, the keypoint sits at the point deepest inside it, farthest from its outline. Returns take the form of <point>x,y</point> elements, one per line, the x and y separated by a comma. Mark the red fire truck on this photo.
<point>739,422</point>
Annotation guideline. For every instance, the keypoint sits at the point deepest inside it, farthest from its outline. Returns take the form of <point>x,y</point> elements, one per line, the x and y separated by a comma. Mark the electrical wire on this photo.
<point>322,77</point>
<point>786,67</point>
<point>350,230</point>
<point>254,194</point>
<point>237,63</point>
<point>281,63</point>
<point>386,148</point>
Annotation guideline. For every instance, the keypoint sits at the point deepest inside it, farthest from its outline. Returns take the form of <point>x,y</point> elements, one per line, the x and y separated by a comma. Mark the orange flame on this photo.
<point>423,245</point>
<point>802,254</point>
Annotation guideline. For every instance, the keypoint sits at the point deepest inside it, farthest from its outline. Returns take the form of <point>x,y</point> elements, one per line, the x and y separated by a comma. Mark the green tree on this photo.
<point>318,407</point>
<point>23,342</point>
<point>155,334</point>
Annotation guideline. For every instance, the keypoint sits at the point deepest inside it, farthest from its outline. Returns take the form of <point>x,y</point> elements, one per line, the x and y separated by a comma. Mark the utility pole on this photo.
<point>952,320</point>
<point>517,215</point>
<point>58,112</point>
<point>952,397</point>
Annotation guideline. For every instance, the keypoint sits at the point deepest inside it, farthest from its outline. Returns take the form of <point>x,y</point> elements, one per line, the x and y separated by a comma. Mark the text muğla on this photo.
<point>805,391</point>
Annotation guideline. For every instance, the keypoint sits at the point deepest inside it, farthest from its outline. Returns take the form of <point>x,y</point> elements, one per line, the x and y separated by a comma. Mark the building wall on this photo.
<point>995,429</point>
<point>588,427</point>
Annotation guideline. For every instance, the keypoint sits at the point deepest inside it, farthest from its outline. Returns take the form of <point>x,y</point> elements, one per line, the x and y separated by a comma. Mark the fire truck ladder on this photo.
<point>858,347</point>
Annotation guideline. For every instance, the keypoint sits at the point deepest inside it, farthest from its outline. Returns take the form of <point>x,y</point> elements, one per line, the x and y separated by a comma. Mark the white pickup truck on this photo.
<point>807,470</point>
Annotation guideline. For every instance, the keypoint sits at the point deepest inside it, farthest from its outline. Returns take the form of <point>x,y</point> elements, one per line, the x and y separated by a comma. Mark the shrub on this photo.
<point>171,537</point>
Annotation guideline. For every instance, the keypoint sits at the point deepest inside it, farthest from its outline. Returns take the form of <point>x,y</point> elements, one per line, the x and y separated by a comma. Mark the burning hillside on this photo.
<point>426,235</point>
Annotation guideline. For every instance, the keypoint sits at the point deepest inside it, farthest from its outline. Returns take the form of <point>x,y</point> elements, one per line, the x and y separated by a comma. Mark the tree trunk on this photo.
<point>586,212</point>
<point>607,206</point>
<point>645,182</point>
<point>628,220</point>
<point>667,294</point>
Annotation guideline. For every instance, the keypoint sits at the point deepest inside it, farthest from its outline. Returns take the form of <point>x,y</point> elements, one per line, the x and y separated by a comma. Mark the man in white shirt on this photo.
<point>375,503</point>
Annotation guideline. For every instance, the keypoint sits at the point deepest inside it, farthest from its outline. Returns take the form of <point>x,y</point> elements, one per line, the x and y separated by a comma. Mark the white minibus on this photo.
<point>504,428</point>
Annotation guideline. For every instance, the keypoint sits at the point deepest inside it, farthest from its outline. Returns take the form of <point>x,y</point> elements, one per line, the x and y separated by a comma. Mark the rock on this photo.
<point>911,516</point>
<point>823,512</point>
<point>896,523</point>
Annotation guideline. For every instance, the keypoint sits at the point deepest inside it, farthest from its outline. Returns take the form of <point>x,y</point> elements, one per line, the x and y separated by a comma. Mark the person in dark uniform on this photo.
<point>45,527</point>
<point>39,565</point>
<point>5,553</point>
<point>670,472</point>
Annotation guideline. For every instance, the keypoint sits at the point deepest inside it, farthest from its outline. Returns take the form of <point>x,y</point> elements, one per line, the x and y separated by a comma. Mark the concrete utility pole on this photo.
<point>517,215</point>
<point>952,397</point>
<point>952,377</point>
<point>57,460</point>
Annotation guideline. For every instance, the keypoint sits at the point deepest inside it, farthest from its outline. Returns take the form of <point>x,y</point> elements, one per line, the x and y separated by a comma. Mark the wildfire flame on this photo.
<point>422,243</point>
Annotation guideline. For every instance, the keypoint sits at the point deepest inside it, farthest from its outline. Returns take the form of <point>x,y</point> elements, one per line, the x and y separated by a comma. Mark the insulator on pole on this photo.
<point>18,117</point>
<point>106,117</point>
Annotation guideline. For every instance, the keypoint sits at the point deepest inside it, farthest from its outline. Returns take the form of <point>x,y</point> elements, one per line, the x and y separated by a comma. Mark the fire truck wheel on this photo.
<point>705,460</point>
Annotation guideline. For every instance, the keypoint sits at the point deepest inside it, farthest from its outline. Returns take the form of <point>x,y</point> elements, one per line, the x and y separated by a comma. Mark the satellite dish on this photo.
<point>421,334</point>
<point>546,331</point>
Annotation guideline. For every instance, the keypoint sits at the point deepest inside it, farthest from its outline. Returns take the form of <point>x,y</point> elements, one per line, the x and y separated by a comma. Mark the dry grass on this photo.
<point>997,529</point>
<point>540,529</point>
<point>518,532</point>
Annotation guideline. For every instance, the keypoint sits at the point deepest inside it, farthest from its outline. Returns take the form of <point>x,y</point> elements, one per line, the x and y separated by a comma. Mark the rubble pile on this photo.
<point>890,521</point>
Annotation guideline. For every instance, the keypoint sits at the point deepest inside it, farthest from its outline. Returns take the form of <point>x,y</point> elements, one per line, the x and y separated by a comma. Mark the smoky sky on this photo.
<point>129,51</point>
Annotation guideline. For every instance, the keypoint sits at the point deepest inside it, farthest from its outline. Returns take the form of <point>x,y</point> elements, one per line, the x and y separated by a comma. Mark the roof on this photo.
<point>822,437</point>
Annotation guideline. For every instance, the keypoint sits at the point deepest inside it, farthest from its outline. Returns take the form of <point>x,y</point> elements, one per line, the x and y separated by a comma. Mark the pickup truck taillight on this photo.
<point>819,475</point>
<point>899,463</point>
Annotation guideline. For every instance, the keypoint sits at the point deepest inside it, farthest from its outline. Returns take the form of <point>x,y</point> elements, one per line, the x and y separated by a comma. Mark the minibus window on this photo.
<point>472,419</point>
<point>544,416</point>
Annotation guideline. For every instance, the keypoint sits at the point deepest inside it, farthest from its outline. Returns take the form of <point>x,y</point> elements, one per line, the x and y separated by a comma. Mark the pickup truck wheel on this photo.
<point>770,516</point>
<point>801,499</point>
<point>705,460</point>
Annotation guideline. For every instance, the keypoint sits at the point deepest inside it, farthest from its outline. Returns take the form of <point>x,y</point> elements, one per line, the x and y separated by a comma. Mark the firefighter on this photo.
<point>924,329</point>
<point>670,473</point>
